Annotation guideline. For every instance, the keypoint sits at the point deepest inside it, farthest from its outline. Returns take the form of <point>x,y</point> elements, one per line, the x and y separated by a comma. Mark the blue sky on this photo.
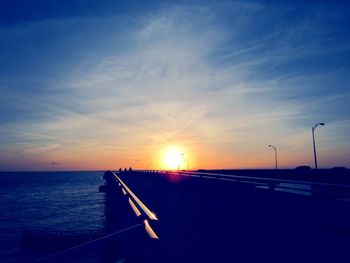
<point>86,85</point>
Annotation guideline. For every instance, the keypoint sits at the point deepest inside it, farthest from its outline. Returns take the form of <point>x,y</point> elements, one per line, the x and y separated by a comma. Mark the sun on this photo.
<point>173,158</point>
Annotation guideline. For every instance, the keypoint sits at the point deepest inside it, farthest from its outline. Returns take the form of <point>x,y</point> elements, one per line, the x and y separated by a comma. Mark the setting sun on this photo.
<point>173,158</point>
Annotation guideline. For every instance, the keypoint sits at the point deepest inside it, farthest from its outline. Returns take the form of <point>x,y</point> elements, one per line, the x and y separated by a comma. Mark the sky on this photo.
<point>95,85</point>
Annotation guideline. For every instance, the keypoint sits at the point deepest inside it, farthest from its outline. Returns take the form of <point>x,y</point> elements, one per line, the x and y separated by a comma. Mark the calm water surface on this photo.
<point>48,202</point>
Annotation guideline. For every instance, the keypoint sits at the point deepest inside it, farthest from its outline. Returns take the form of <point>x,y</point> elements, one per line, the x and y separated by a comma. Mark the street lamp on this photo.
<point>270,145</point>
<point>313,140</point>
<point>178,161</point>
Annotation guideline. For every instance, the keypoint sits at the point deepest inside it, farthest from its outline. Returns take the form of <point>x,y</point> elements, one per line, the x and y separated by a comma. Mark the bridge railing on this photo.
<point>278,184</point>
<point>139,208</point>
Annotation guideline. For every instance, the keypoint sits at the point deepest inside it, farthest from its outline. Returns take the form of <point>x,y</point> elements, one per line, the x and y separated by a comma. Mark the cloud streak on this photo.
<point>222,80</point>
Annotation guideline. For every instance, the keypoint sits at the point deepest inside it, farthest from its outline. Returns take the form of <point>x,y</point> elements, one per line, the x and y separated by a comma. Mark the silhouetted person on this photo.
<point>130,170</point>
<point>125,169</point>
<point>120,170</point>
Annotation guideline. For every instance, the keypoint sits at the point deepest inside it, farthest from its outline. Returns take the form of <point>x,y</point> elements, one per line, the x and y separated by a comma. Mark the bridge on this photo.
<point>215,216</point>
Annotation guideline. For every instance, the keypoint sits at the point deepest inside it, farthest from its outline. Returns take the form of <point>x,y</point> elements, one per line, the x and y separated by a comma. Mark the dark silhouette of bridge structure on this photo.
<point>223,216</point>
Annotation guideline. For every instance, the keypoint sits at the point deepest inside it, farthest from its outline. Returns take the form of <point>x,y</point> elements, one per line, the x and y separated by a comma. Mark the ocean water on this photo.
<point>53,202</point>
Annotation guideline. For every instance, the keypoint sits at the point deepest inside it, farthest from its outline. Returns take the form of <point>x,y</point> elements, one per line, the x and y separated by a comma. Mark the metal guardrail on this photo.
<point>240,177</point>
<point>138,207</point>
<point>136,199</point>
<point>295,186</point>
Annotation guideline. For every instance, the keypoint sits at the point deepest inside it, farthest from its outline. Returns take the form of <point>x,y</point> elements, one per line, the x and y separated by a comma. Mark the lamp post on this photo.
<point>182,156</point>
<point>270,145</point>
<point>313,141</point>
<point>178,161</point>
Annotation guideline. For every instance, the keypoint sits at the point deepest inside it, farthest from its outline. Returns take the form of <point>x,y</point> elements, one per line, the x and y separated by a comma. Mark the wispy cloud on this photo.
<point>222,80</point>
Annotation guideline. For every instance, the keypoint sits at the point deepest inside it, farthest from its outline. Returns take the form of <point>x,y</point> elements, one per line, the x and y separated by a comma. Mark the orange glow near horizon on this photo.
<point>168,156</point>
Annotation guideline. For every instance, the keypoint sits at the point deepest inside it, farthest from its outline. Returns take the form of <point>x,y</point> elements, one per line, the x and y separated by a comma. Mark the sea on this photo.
<point>48,202</point>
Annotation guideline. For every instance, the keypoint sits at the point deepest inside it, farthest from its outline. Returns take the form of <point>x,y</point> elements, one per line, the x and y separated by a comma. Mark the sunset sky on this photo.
<point>87,85</point>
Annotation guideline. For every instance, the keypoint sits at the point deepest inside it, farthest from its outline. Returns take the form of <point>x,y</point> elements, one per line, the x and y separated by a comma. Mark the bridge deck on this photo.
<point>210,220</point>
